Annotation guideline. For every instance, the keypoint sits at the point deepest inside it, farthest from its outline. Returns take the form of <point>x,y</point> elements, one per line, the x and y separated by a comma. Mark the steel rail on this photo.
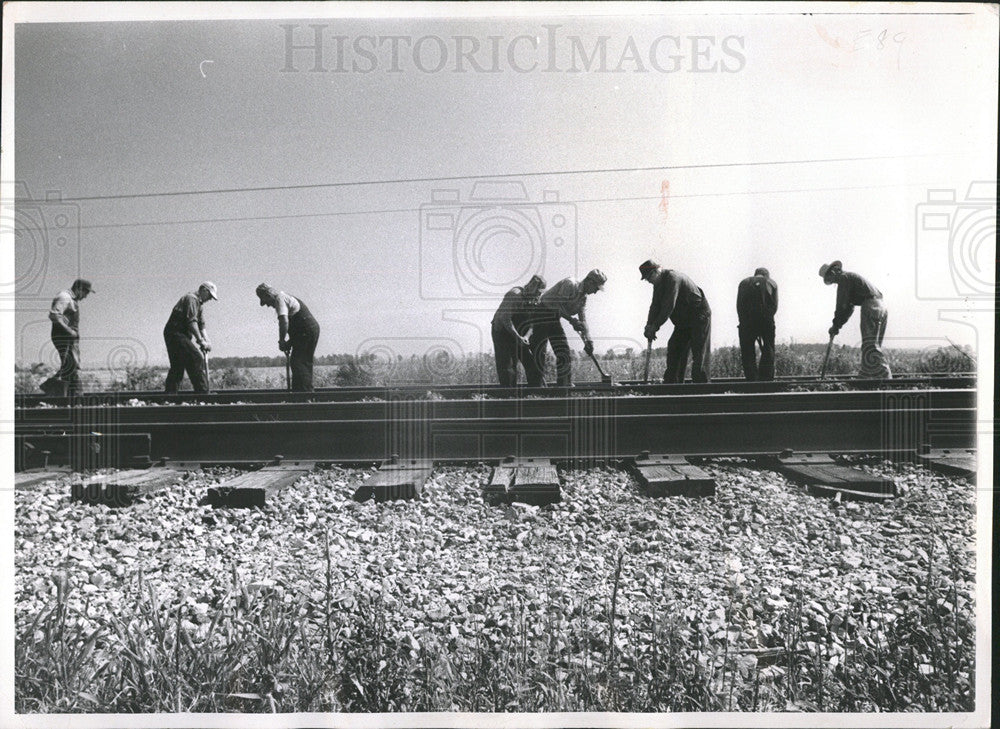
<point>347,394</point>
<point>100,416</point>
<point>586,429</point>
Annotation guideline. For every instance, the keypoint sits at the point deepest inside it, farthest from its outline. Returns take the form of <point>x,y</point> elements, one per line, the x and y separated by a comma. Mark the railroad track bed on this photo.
<point>435,392</point>
<point>446,576</point>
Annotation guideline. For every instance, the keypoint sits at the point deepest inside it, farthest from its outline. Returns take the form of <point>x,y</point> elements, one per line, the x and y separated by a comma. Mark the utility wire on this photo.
<point>457,178</point>
<point>383,211</point>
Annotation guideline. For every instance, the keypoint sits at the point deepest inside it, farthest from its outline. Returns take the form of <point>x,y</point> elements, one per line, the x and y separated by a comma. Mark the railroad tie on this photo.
<point>396,479</point>
<point>123,487</point>
<point>959,462</point>
<point>823,476</point>
<point>670,475</point>
<point>524,480</point>
<point>27,479</point>
<point>254,487</point>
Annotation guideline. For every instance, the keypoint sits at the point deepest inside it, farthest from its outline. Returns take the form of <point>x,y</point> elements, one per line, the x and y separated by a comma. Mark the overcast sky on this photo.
<point>712,143</point>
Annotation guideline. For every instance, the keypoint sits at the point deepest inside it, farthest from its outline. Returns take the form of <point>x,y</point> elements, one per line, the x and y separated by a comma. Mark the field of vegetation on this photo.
<point>442,368</point>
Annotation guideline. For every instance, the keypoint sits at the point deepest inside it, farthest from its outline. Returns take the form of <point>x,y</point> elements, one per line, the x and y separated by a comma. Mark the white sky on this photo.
<point>113,109</point>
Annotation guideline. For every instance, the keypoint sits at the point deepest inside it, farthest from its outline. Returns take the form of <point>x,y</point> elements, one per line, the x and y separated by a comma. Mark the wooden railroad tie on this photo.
<point>253,488</point>
<point>823,476</point>
<point>668,475</point>
<point>35,476</point>
<point>396,479</point>
<point>959,462</point>
<point>524,480</point>
<point>123,487</point>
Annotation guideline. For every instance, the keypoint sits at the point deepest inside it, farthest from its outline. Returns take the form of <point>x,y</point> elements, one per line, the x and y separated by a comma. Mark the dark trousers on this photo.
<point>69,363</point>
<point>751,334</point>
<point>303,335</point>
<point>546,328</point>
<point>694,339</point>
<point>185,356</point>
<point>508,351</point>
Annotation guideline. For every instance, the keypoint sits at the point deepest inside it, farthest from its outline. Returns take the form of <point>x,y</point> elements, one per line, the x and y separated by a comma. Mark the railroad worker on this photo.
<point>756,305</point>
<point>298,334</point>
<point>677,298</point>
<point>65,317</point>
<point>186,340</point>
<point>566,300</point>
<point>853,290</point>
<point>510,324</point>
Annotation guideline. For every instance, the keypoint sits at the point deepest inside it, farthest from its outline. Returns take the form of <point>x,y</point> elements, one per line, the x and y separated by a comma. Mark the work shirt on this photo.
<point>513,311</point>
<point>186,311</point>
<point>677,298</point>
<point>65,310</point>
<point>757,299</point>
<point>566,297</point>
<point>852,290</point>
<point>286,305</point>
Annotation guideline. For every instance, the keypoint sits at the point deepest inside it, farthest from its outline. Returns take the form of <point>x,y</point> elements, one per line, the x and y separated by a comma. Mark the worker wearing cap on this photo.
<point>756,305</point>
<point>298,334</point>
<point>566,300</point>
<point>186,340</point>
<point>677,298</point>
<point>510,343</point>
<point>853,290</point>
<point>65,317</point>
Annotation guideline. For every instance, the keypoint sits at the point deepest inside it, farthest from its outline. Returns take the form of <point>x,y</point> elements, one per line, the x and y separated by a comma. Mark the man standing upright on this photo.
<point>186,340</point>
<point>510,345</point>
<point>853,290</point>
<point>677,298</point>
<point>65,317</point>
<point>756,305</point>
<point>566,300</point>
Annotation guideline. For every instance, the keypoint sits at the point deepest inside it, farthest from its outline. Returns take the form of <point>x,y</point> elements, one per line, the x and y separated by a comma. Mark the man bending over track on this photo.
<point>298,333</point>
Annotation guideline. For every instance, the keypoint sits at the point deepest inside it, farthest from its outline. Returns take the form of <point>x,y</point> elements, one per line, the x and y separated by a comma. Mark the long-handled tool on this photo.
<point>288,371</point>
<point>208,375</point>
<point>822,374</point>
<point>605,378</point>
<point>649,353</point>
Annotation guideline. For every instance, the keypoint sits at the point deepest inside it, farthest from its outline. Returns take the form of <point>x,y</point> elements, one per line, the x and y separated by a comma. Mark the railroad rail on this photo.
<point>460,392</point>
<point>460,425</point>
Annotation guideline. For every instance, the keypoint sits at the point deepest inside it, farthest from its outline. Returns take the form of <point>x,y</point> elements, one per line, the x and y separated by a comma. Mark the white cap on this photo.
<point>209,288</point>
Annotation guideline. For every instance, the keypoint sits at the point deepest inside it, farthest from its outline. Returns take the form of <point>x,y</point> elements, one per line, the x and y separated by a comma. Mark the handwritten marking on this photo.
<point>201,67</point>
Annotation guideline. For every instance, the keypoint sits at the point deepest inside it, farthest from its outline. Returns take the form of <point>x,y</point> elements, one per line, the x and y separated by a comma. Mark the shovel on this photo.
<point>822,374</point>
<point>288,371</point>
<point>649,353</point>
<point>605,378</point>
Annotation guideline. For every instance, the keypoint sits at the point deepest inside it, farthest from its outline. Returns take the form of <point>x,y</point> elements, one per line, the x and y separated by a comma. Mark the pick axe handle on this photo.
<point>649,354</point>
<point>208,374</point>
<point>288,371</point>
<point>829,346</point>
<point>598,364</point>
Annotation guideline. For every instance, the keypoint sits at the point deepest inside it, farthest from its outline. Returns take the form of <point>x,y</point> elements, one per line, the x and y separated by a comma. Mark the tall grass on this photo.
<point>261,651</point>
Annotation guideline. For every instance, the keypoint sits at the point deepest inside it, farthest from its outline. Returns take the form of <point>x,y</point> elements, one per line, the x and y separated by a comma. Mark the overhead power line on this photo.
<point>385,211</point>
<point>458,178</point>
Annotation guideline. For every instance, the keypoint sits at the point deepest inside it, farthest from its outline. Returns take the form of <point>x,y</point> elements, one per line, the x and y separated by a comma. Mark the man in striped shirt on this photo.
<point>566,300</point>
<point>854,290</point>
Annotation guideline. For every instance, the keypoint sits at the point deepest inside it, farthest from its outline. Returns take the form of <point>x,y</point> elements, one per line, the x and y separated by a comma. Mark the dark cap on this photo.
<point>762,272</point>
<point>84,285</point>
<point>647,267</point>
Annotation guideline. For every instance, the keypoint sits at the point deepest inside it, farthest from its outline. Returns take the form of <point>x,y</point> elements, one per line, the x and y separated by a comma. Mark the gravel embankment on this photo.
<point>449,563</point>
